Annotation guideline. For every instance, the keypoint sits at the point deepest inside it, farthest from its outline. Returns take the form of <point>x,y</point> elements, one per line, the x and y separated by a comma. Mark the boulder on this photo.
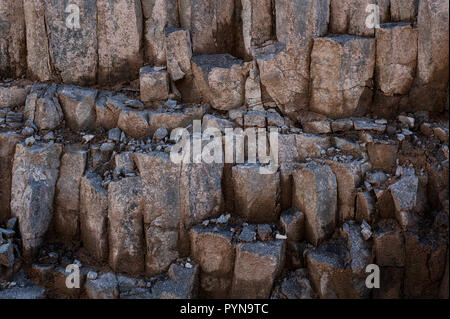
<point>181,283</point>
<point>35,172</point>
<point>382,154</point>
<point>78,106</point>
<point>293,224</point>
<point>154,84</point>
<point>67,199</point>
<point>341,79</point>
<point>134,123</point>
<point>315,194</point>
<point>221,80</point>
<point>268,258</point>
<point>173,120</point>
<point>295,285</point>
<point>126,231</point>
<point>42,107</point>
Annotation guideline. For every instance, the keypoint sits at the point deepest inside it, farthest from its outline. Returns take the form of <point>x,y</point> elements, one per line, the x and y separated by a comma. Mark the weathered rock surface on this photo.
<point>221,80</point>
<point>8,143</point>
<point>35,172</point>
<point>341,79</point>
<point>43,108</point>
<point>315,194</point>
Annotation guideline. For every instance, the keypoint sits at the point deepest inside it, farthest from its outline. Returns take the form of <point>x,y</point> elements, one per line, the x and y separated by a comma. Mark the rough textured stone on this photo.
<point>383,154</point>
<point>78,106</point>
<point>315,194</point>
<point>294,286</point>
<point>396,58</point>
<point>255,194</point>
<point>125,226</point>
<point>154,84</point>
<point>67,200</point>
<point>404,10</point>
<point>173,120</point>
<point>159,14</point>
<point>257,23</point>
<point>311,146</point>
<point>93,216</point>
<point>120,32</point>
<point>181,284</point>
<point>42,107</point>
<point>215,254</point>
<point>341,75</point>
<point>211,24</point>
<point>178,52</point>
<point>389,244</point>
<point>105,287</point>
<point>430,87</point>
<point>8,143</point>
<point>330,270</point>
<point>108,108</point>
<point>134,123</point>
<point>12,43</point>
<point>348,178</point>
<point>221,80</point>
<point>293,223</point>
<point>12,96</point>
<point>35,171</point>
<point>268,258</point>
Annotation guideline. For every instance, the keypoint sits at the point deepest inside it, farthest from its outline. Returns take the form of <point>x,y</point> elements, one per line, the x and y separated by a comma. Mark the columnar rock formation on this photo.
<point>98,97</point>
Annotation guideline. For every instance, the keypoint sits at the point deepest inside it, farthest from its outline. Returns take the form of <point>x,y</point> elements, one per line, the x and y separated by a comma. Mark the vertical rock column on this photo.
<point>35,172</point>
<point>120,33</point>
<point>12,39</point>
<point>8,143</point>
<point>431,83</point>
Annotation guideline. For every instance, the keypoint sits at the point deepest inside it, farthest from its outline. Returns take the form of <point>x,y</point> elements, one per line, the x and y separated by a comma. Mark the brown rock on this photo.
<point>119,40</point>
<point>293,223</point>
<point>255,194</point>
<point>404,10</point>
<point>159,14</point>
<point>134,123</point>
<point>221,80</point>
<point>93,216</point>
<point>382,154</point>
<point>154,84</point>
<point>389,244</point>
<point>268,258</point>
<point>67,200</point>
<point>396,58</point>
<point>341,83</point>
<point>125,226</point>
<point>315,194</point>
<point>42,107</point>
<point>257,24</point>
<point>8,143</point>
<point>178,52</point>
<point>78,106</point>
<point>12,96</point>
<point>35,171</point>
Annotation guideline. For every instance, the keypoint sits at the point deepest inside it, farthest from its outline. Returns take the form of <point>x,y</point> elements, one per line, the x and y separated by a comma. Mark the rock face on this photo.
<point>315,194</point>
<point>32,191</point>
<point>8,143</point>
<point>158,14</point>
<point>341,82</point>
<point>220,79</point>
<point>179,53</point>
<point>78,106</point>
<point>125,226</point>
<point>94,216</point>
<point>396,58</point>
<point>429,90</point>
<point>257,23</point>
<point>43,108</point>
<point>154,84</point>
<point>268,258</point>
<point>120,32</point>
<point>256,195</point>
<point>67,200</point>
<point>12,43</point>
